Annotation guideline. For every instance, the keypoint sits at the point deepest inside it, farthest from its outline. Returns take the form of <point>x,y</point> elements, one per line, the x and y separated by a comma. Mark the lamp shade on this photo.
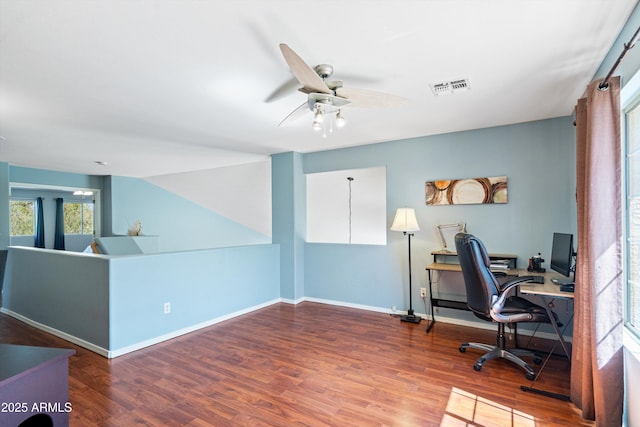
<point>405,220</point>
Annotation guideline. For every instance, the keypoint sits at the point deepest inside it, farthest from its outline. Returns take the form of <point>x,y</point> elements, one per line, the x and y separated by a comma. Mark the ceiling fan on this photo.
<point>327,97</point>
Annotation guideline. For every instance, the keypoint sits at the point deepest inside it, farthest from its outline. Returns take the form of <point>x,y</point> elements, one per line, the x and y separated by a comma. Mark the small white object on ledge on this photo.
<point>136,229</point>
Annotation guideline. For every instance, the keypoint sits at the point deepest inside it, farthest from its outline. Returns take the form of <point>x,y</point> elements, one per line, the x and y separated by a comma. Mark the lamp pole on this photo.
<point>410,317</point>
<point>405,221</point>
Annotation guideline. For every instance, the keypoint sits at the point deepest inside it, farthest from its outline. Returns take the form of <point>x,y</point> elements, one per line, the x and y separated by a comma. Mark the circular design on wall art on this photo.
<point>435,191</point>
<point>433,194</point>
<point>499,193</point>
<point>442,184</point>
<point>476,190</point>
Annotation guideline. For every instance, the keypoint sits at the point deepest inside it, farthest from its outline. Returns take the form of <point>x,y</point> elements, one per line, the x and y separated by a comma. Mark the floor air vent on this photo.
<point>446,88</point>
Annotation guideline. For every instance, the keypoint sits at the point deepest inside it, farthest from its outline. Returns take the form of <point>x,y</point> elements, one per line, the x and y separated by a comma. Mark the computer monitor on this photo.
<point>562,253</point>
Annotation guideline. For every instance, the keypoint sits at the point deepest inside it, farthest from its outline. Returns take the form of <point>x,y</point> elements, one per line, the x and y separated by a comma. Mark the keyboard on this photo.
<point>536,279</point>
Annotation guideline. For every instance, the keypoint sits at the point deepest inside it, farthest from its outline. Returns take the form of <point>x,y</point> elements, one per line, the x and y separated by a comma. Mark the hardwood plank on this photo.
<point>307,365</point>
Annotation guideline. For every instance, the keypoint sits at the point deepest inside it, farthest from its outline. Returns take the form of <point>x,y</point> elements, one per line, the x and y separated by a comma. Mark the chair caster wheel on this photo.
<point>462,349</point>
<point>477,367</point>
<point>537,360</point>
<point>530,376</point>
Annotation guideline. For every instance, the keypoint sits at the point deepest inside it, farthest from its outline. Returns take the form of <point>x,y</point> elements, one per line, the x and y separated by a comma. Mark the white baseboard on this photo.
<point>439,319</point>
<point>60,334</point>
<point>188,329</point>
<point>146,343</point>
<point>110,354</point>
<point>351,305</point>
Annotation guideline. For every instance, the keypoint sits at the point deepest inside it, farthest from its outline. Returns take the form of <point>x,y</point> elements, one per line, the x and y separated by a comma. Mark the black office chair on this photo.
<point>494,302</point>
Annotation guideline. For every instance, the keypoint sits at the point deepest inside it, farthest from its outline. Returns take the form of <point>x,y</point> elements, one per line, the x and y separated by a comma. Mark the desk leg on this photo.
<point>555,327</point>
<point>532,389</point>
<point>559,333</point>
<point>433,319</point>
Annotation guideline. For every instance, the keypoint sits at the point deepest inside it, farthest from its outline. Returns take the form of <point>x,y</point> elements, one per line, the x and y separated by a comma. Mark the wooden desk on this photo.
<point>445,266</point>
<point>34,380</point>
<point>548,291</point>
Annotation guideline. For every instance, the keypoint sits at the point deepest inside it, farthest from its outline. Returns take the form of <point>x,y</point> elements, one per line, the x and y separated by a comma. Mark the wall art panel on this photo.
<point>467,191</point>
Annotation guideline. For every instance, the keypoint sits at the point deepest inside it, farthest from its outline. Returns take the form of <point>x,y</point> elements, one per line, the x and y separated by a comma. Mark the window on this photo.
<point>22,217</point>
<point>632,217</point>
<point>78,218</point>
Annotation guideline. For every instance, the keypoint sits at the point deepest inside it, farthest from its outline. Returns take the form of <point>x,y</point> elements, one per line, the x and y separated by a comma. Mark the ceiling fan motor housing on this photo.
<point>324,70</point>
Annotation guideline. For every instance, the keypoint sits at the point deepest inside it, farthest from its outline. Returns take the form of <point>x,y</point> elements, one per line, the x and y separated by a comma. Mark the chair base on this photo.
<point>494,352</point>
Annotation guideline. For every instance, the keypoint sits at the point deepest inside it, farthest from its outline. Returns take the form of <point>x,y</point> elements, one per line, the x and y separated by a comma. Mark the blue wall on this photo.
<point>537,157</point>
<point>53,178</point>
<point>631,62</point>
<point>180,224</point>
<point>113,305</point>
<point>289,221</point>
<point>15,174</point>
<point>65,291</point>
<point>200,285</point>
<point>5,236</point>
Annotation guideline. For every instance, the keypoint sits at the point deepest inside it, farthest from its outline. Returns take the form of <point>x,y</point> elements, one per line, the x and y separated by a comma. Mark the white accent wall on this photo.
<point>241,193</point>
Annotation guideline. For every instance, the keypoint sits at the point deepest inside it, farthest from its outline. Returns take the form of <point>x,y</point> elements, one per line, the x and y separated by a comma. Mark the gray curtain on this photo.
<point>597,376</point>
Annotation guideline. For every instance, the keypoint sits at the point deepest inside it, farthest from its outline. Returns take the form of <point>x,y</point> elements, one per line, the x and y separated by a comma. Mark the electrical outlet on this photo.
<point>393,308</point>
<point>167,307</point>
<point>423,292</point>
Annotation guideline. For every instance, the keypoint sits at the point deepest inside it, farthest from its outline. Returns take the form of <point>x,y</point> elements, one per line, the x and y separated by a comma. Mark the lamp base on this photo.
<point>411,318</point>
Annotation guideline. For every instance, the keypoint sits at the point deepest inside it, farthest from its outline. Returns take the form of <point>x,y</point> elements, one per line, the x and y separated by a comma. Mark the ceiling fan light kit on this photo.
<point>325,117</point>
<point>340,120</point>
<point>326,98</point>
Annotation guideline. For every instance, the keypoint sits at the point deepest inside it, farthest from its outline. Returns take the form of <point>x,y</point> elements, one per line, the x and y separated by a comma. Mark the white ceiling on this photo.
<point>168,86</point>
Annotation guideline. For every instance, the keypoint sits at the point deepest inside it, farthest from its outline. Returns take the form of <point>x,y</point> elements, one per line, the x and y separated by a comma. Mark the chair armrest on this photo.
<point>507,286</point>
<point>498,303</point>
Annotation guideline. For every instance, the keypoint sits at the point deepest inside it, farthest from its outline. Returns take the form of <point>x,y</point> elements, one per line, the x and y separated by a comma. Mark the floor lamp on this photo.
<point>405,221</point>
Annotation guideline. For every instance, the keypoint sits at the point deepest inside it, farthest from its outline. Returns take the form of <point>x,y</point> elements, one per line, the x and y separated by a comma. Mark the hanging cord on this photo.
<point>627,47</point>
<point>350,179</point>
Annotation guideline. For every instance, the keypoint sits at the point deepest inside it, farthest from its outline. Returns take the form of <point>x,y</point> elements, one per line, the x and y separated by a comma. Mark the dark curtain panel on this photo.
<point>39,219</point>
<point>59,236</point>
<point>597,381</point>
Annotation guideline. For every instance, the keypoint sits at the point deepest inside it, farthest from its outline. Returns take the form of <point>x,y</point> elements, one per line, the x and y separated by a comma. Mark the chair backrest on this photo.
<point>480,283</point>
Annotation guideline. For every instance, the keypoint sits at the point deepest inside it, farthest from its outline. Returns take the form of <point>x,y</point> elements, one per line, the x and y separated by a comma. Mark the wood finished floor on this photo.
<point>306,365</point>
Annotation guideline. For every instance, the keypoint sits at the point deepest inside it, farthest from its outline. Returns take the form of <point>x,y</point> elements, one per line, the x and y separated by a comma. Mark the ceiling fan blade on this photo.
<point>304,73</point>
<point>295,112</point>
<point>363,98</point>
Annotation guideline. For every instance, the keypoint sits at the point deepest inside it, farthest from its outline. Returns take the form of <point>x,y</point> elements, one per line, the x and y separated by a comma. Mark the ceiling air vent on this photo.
<point>446,88</point>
